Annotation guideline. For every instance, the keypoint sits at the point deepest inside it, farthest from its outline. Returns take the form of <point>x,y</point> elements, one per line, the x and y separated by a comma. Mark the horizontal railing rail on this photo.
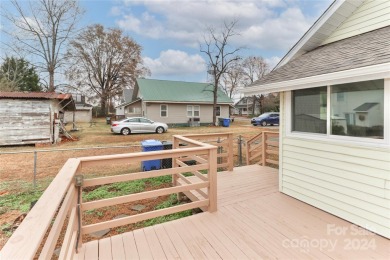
<point>263,148</point>
<point>59,211</point>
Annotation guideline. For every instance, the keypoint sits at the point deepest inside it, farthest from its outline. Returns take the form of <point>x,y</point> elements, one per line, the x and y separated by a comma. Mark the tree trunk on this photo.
<point>103,103</point>
<point>253,105</point>
<point>51,81</point>
<point>215,92</point>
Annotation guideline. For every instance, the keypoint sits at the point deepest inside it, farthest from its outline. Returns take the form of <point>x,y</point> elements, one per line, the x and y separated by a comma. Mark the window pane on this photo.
<point>196,111</point>
<point>163,107</point>
<point>309,110</point>
<point>360,112</point>
<point>218,111</point>
<point>163,113</point>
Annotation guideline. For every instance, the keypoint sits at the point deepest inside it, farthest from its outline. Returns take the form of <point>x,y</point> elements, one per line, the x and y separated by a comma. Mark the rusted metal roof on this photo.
<point>35,95</point>
<point>66,99</point>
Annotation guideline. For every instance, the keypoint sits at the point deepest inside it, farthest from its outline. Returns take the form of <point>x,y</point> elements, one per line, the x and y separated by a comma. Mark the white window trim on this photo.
<point>220,110</point>
<point>165,110</point>
<point>192,110</point>
<point>361,141</point>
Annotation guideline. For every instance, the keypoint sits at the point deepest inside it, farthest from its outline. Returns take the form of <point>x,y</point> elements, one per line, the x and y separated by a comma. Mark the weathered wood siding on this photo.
<point>177,113</point>
<point>25,121</point>
<point>371,15</point>
<point>81,116</point>
<point>348,180</point>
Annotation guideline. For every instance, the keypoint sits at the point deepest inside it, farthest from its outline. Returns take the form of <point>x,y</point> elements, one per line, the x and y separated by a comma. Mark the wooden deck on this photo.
<point>254,221</point>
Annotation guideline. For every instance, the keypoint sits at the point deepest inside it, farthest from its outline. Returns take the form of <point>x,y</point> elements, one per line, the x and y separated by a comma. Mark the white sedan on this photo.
<point>137,125</point>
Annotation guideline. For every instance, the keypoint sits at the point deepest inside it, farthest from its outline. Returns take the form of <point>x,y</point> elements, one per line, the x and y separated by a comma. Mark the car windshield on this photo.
<point>263,116</point>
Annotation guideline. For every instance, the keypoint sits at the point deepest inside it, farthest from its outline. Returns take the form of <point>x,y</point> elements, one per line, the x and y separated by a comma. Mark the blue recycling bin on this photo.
<point>226,122</point>
<point>149,146</point>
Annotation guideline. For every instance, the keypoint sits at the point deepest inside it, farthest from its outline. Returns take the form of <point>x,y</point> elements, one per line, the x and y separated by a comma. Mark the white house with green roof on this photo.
<point>176,102</point>
<point>334,138</point>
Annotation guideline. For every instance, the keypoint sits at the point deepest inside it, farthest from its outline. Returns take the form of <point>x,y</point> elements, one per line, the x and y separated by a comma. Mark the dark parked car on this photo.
<point>271,118</point>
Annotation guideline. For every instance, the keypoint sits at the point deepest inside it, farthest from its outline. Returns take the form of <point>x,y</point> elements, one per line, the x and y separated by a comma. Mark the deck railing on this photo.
<point>61,207</point>
<point>263,148</point>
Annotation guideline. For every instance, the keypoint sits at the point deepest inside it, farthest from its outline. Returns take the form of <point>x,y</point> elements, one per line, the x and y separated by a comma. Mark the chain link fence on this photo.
<point>31,169</point>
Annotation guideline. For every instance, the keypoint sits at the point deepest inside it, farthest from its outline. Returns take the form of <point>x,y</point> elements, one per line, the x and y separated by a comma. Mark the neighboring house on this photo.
<point>30,118</point>
<point>127,97</point>
<point>245,106</point>
<point>335,114</point>
<point>82,113</point>
<point>176,102</point>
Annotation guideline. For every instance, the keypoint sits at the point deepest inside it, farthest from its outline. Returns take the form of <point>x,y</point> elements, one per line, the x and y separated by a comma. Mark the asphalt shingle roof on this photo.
<point>363,50</point>
<point>178,91</point>
<point>365,107</point>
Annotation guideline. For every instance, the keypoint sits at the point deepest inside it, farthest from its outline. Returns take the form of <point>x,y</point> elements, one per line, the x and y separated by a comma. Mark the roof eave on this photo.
<point>303,42</point>
<point>354,75</point>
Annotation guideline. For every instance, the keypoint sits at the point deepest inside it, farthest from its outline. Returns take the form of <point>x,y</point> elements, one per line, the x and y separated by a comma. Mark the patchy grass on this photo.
<point>21,201</point>
<point>170,202</point>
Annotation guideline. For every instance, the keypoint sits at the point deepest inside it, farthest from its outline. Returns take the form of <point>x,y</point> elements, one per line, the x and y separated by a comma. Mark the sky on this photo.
<point>170,32</point>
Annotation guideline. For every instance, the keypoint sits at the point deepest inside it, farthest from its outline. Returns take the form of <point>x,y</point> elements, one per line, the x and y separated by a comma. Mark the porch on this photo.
<point>254,221</point>
<point>244,214</point>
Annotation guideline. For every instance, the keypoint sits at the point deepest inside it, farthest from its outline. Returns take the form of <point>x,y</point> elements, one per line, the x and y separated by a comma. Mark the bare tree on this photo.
<point>221,55</point>
<point>104,62</point>
<point>42,28</point>
<point>233,79</point>
<point>254,68</point>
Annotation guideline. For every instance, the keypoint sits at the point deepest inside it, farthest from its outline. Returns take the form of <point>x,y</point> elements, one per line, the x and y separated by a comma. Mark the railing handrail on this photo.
<point>35,225</point>
<point>261,149</point>
<point>37,222</point>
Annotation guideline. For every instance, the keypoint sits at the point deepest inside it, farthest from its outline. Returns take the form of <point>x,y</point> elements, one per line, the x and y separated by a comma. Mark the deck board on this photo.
<point>253,221</point>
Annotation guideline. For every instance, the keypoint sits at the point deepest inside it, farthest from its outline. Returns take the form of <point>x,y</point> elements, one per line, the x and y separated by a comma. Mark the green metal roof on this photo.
<point>178,91</point>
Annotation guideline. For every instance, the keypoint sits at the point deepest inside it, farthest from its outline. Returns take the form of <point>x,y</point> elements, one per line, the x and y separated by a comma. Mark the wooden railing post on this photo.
<point>263,147</point>
<point>212,176</point>
<point>230,153</point>
<point>175,145</point>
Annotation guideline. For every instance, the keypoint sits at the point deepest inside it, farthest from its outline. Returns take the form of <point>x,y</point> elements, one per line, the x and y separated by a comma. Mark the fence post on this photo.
<point>247,154</point>
<point>240,151</point>
<point>212,175</point>
<point>35,170</point>
<point>263,147</point>
<point>175,145</point>
<point>230,153</point>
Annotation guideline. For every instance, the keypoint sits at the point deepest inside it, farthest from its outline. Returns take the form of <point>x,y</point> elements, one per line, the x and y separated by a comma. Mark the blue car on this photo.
<point>271,118</point>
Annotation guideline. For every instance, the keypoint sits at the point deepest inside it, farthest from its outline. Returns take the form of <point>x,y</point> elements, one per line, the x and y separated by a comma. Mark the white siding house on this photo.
<point>176,102</point>
<point>335,114</point>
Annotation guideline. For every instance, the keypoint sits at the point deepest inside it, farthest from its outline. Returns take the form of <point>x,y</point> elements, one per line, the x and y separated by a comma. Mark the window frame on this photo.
<point>192,111</point>
<point>217,110</point>
<point>288,102</point>
<point>166,110</point>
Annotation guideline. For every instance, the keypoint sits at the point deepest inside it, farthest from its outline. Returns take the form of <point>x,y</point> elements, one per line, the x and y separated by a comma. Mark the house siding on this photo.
<point>177,113</point>
<point>371,15</point>
<point>347,180</point>
<point>137,106</point>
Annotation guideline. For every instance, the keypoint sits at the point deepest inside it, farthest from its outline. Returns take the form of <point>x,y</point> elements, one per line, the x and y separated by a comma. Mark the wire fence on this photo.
<point>34,169</point>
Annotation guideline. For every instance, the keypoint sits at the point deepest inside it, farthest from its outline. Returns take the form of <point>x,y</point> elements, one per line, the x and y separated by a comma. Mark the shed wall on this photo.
<point>25,121</point>
<point>371,15</point>
<point>349,181</point>
<point>81,116</point>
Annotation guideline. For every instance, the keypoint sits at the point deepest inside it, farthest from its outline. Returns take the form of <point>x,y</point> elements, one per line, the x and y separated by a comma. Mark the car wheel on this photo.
<point>159,130</point>
<point>264,123</point>
<point>125,131</point>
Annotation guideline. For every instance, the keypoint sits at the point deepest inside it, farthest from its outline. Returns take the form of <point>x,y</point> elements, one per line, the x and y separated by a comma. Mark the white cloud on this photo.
<point>273,61</point>
<point>262,24</point>
<point>175,62</point>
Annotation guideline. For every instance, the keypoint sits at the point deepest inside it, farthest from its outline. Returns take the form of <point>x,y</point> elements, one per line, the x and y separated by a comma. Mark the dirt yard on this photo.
<point>16,170</point>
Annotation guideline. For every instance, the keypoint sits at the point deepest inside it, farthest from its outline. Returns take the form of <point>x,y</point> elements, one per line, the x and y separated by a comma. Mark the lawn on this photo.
<point>16,172</point>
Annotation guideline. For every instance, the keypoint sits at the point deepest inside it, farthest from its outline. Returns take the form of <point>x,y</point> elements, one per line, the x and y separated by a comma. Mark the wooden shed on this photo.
<point>30,118</point>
